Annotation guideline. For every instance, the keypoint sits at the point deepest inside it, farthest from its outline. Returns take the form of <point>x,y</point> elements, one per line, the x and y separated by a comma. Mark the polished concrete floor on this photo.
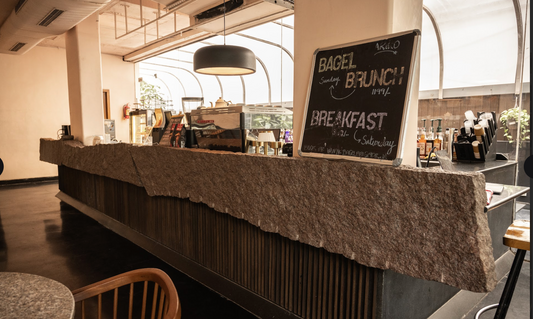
<point>41,235</point>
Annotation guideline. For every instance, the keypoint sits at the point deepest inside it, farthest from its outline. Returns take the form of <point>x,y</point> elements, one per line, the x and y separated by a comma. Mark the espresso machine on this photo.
<point>237,127</point>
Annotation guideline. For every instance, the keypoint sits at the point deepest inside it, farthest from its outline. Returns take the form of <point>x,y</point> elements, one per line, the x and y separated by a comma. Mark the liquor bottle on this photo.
<point>446,144</point>
<point>431,134</point>
<point>429,139</point>
<point>454,154</point>
<point>438,139</point>
<point>422,142</point>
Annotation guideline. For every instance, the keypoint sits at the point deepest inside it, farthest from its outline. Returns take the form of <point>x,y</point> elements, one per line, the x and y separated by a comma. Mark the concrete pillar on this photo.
<point>324,23</point>
<point>84,69</point>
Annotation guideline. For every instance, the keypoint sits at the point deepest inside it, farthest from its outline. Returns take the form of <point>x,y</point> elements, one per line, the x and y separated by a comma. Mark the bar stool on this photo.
<point>517,236</point>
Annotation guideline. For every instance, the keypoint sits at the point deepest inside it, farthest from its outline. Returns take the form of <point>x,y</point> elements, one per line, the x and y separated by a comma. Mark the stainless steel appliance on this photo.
<point>109,129</point>
<point>140,126</point>
<point>233,128</point>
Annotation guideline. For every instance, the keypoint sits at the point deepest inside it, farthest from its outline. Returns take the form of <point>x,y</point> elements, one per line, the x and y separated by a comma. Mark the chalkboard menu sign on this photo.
<point>358,98</point>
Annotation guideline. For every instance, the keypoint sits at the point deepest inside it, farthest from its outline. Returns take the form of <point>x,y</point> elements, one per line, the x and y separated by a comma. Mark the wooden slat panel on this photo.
<point>308,281</point>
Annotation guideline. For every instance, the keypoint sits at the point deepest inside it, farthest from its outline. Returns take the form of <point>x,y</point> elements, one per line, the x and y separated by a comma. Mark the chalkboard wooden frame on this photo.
<point>334,115</point>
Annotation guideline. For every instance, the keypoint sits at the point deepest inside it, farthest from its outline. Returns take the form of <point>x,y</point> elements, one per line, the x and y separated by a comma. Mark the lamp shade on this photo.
<point>224,60</point>
<point>266,137</point>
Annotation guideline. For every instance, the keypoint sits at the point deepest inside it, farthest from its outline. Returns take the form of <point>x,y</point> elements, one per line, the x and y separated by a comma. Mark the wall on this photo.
<point>118,78</point>
<point>34,104</point>
<point>452,111</point>
<point>319,24</point>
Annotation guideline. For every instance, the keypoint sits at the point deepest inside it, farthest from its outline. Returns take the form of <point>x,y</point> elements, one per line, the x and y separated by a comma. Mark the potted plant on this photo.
<point>509,124</point>
<point>150,94</point>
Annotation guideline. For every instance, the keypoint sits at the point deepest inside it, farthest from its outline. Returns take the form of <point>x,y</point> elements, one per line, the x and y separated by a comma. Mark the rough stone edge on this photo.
<point>110,160</point>
<point>158,182</point>
<point>191,168</point>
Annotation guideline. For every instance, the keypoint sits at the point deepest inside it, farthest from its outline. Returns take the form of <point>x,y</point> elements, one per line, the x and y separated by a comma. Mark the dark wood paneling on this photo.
<point>307,281</point>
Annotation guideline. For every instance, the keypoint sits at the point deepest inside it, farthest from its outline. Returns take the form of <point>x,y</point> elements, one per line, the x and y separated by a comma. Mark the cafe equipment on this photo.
<point>220,103</point>
<point>265,138</point>
<point>188,104</point>
<point>161,118</point>
<point>235,128</point>
<point>64,133</point>
<point>109,130</point>
<point>140,126</point>
<point>191,103</point>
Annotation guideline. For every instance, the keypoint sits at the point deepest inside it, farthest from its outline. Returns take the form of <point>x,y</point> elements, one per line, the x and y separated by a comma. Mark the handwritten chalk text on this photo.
<point>383,77</point>
<point>335,63</point>
<point>369,140</point>
<point>348,119</point>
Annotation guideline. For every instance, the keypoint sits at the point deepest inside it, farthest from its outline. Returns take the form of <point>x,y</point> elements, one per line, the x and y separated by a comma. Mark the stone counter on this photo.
<point>424,223</point>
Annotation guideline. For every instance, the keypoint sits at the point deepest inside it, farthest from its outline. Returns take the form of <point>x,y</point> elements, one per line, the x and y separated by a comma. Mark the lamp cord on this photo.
<point>224,22</point>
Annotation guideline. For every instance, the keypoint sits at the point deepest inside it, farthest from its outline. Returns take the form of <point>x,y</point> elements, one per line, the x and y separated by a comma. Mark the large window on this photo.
<point>272,84</point>
<point>474,56</point>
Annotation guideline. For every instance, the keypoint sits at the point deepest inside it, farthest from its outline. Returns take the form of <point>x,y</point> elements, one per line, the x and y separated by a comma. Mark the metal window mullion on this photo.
<point>520,45</point>
<point>519,78</point>
<point>168,89</point>
<point>175,67</point>
<point>243,89</point>
<point>267,42</point>
<point>179,81</point>
<point>440,47</point>
<point>221,88</point>
<point>268,79</point>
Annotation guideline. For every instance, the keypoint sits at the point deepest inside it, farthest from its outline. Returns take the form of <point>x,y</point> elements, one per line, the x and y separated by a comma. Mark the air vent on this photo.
<point>50,17</point>
<point>176,4</point>
<point>19,5</point>
<point>17,46</point>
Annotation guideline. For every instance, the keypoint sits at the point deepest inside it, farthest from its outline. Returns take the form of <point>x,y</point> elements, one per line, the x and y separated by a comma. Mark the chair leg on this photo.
<point>510,285</point>
<point>485,309</point>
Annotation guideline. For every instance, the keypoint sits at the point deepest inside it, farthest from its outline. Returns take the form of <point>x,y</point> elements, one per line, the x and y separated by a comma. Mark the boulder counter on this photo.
<point>311,238</point>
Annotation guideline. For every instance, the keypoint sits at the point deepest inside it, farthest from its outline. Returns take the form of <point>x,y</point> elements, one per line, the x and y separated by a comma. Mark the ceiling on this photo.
<point>176,27</point>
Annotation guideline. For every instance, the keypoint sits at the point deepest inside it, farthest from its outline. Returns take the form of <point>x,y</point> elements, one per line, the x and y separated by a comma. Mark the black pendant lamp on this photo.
<point>224,59</point>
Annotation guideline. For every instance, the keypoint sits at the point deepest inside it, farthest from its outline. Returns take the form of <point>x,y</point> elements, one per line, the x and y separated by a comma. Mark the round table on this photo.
<point>32,296</point>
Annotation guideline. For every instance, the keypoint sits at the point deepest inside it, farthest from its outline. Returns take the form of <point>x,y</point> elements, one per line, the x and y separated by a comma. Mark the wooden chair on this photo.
<point>161,301</point>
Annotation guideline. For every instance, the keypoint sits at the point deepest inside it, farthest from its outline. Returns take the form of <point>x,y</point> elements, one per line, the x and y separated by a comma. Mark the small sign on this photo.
<point>358,99</point>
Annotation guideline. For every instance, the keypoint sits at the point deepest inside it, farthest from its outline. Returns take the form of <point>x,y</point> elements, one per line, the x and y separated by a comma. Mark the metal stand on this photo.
<point>508,290</point>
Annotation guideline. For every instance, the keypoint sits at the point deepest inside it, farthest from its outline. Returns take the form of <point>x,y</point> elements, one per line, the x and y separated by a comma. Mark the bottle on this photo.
<point>454,155</point>
<point>446,144</point>
<point>438,139</point>
<point>431,134</point>
<point>422,142</point>
<point>429,139</point>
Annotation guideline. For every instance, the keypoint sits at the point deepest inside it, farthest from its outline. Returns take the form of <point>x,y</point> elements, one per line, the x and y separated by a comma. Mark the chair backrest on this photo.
<point>143,293</point>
